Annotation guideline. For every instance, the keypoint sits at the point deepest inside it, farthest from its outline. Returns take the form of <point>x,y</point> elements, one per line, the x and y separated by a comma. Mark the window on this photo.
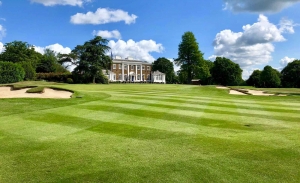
<point>143,77</point>
<point>120,66</point>
<point>132,67</point>
<point>138,67</point>
<point>148,68</point>
<point>138,77</point>
<point>120,76</point>
<point>114,66</point>
<point>125,67</point>
<point>143,67</point>
<point>125,77</point>
<point>148,77</point>
<point>114,77</point>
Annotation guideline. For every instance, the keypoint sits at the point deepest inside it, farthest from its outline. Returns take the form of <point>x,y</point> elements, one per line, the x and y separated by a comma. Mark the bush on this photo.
<point>29,71</point>
<point>85,78</point>
<point>11,73</point>
<point>70,80</point>
<point>54,77</point>
<point>38,89</point>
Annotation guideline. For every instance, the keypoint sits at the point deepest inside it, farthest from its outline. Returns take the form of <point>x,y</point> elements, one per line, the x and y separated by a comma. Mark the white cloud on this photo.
<point>253,46</point>
<point>57,48</point>
<point>284,62</point>
<point>60,2</point>
<point>2,32</point>
<point>260,6</point>
<point>287,26</point>
<point>1,47</point>
<point>103,16</point>
<point>108,34</point>
<point>139,50</point>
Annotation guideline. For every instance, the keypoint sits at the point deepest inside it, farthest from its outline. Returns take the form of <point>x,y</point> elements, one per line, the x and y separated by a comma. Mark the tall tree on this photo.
<point>92,57</point>
<point>18,51</point>
<point>226,72</point>
<point>254,79</point>
<point>23,53</point>
<point>166,66</point>
<point>290,75</point>
<point>190,57</point>
<point>270,78</point>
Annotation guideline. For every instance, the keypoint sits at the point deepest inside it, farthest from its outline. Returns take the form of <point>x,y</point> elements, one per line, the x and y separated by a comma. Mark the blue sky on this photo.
<point>253,33</point>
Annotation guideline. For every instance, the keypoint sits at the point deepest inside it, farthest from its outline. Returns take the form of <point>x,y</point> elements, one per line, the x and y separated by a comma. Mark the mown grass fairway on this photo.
<point>150,133</point>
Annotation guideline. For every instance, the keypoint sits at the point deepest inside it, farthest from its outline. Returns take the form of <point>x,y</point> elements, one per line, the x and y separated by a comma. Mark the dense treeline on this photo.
<point>20,61</point>
<point>223,71</point>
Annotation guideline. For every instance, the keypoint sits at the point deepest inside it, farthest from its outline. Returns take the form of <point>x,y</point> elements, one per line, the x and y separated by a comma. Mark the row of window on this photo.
<point>132,67</point>
<point>126,78</point>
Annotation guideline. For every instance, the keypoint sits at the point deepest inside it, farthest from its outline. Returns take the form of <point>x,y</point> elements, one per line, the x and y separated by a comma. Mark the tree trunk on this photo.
<point>94,79</point>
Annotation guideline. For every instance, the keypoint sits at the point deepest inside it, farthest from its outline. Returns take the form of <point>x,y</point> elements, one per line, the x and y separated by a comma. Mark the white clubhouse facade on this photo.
<point>133,71</point>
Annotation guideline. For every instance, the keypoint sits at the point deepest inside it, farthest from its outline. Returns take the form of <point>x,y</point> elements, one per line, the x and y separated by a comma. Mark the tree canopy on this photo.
<point>254,79</point>
<point>190,58</point>
<point>166,66</point>
<point>92,57</point>
<point>290,75</point>
<point>270,78</point>
<point>226,72</point>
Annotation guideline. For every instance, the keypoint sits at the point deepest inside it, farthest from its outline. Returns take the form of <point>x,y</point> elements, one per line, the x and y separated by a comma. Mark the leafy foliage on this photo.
<point>165,66</point>
<point>290,75</point>
<point>226,72</point>
<point>254,79</point>
<point>11,72</point>
<point>18,51</point>
<point>55,77</point>
<point>29,70</point>
<point>270,78</point>
<point>191,59</point>
<point>92,58</point>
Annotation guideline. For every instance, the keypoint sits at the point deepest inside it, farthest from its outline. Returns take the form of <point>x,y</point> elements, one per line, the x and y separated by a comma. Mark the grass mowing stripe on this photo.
<point>273,106</point>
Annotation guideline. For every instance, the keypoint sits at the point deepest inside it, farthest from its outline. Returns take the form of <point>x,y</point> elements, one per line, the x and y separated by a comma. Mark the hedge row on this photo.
<point>55,77</point>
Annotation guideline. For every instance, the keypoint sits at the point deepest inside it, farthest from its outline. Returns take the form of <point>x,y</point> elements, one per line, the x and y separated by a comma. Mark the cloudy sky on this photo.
<point>252,33</point>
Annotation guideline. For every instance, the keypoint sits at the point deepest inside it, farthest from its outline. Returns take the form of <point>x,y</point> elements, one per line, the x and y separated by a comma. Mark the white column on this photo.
<point>128,78</point>
<point>141,72</point>
<point>122,71</point>
<point>135,72</point>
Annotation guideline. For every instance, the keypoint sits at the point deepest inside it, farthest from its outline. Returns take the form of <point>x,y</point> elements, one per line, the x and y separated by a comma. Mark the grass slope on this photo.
<point>150,133</point>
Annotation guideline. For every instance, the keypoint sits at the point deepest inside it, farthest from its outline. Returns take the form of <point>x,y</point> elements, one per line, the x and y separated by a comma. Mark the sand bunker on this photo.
<point>234,92</point>
<point>260,93</point>
<point>6,92</point>
<point>222,87</point>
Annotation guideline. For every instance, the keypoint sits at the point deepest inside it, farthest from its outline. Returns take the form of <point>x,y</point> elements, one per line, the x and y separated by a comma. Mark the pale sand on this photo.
<point>6,92</point>
<point>260,93</point>
<point>222,87</point>
<point>234,92</point>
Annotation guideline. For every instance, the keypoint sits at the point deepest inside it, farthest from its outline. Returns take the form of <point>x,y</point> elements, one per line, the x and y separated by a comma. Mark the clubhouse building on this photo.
<point>133,71</point>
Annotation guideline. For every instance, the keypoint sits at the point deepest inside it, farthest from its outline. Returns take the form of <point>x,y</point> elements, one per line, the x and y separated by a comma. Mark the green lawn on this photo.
<point>150,133</point>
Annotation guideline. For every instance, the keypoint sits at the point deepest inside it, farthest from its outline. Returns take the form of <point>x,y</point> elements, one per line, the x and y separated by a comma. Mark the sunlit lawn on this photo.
<point>150,133</point>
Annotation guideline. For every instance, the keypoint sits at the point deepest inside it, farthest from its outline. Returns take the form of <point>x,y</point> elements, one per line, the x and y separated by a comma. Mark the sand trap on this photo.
<point>234,92</point>
<point>260,93</point>
<point>222,87</point>
<point>6,92</point>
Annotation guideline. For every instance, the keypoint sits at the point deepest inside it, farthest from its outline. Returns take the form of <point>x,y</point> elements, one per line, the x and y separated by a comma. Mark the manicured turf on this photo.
<point>150,133</point>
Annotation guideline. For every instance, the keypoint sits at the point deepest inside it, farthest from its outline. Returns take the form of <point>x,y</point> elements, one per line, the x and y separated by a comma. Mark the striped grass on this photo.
<point>150,133</point>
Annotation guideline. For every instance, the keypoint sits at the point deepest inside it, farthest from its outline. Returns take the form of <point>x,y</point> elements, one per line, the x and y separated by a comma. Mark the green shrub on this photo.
<point>55,77</point>
<point>70,80</point>
<point>29,71</point>
<point>38,89</point>
<point>10,72</point>
<point>86,78</point>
